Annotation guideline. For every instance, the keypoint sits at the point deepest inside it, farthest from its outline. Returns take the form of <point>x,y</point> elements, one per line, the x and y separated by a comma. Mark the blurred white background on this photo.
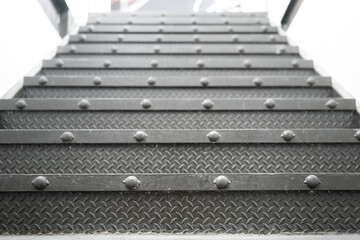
<point>327,31</point>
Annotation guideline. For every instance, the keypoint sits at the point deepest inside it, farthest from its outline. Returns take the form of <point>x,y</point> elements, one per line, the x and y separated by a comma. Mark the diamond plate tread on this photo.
<point>179,158</point>
<point>198,212</point>
<point>180,58</point>
<point>167,72</point>
<point>88,92</point>
<point>178,120</point>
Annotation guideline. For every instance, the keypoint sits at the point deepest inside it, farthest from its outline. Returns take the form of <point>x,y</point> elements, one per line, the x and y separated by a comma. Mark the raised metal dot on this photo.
<point>98,20</point>
<point>272,38</point>
<point>281,50</point>
<point>241,49</point>
<point>312,181</point>
<point>158,38</point>
<point>193,21</point>
<point>196,38</point>
<point>154,63</point>
<point>198,49</point>
<point>288,135</point>
<point>207,103</point>
<point>160,29</point>
<point>140,136</point>
<point>97,80</point>
<point>269,103</point>
<point>107,63</point>
<point>130,21</point>
<point>221,182</point>
<point>258,22</point>
<point>156,49</point>
<point>21,104</point>
<point>204,81</point>
<point>235,38</point>
<point>151,81</point>
<point>295,63</point>
<point>247,63</point>
<point>162,21</point>
<point>114,49</point>
<point>126,29</point>
<point>163,14</point>
<point>213,136</point>
<point>311,81</point>
<point>40,183</point>
<point>264,28</point>
<point>131,182</point>
<point>67,137</point>
<point>72,49</point>
<point>200,64</point>
<point>84,104</point>
<point>43,80</point>
<point>230,29</point>
<point>226,21</point>
<point>332,104</point>
<point>120,38</point>
<point>258,81</point>
<point>59,63</point>
<point>83,38</point>
<point>91,28</point>
<point>357,135</point>
<point>146,103</point>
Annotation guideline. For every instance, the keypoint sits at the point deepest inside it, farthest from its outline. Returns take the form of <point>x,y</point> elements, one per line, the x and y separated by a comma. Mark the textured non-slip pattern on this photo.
<point>177,120</point>
<point>181,58</point>
<point>181,158</point>
<point>180,212</point>
<point>86,92</point>
<point>166,72</point>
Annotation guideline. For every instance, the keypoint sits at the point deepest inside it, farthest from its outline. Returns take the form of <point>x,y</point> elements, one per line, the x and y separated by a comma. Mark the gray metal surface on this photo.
<point>180,212</point>
<point>214,104</point>
<point>177,119</point>
<point>178,29</point>
<point>164,62</point>
<point>219,49</point>
<point>181,136</point>
<point>178,182</point>
<point>179,123</point>
<point>90,92</point>
<point>177,38</point>
<point>179,21</point>
<point>178,81</point>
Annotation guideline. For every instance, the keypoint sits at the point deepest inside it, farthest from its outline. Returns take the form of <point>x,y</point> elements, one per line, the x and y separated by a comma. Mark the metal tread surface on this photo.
<point>178,38</point>
<point>179,158</point>
<point>88,92</point>
<point>177,120</point>
<point>262,155</point>
<point>217,212</point>
<point>166,72</point>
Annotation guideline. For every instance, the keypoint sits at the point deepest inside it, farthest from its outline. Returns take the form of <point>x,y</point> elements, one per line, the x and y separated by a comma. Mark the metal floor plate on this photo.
<point>178,120</point>
<point>126,134</point>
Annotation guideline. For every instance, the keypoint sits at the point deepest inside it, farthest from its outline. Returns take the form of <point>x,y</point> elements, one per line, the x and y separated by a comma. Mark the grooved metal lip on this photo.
<point>179,136</point>
<point>179,14</point>
<point>179,49</point>
<point>214,81</point>
<point>173,63</point>
<point>178,21</point>
<point>179,182</point>
<point>177,29</point>
<point>218,104</point>
<point>178,38</point>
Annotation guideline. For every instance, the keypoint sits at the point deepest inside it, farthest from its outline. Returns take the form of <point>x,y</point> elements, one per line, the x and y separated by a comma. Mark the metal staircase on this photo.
<point>179,123</point>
